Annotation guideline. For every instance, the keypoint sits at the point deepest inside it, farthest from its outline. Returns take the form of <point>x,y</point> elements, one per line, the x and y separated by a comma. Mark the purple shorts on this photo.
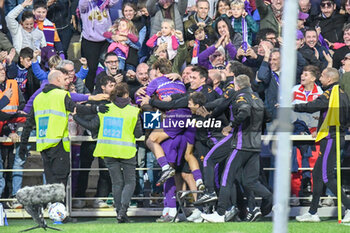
<point>174,148</point>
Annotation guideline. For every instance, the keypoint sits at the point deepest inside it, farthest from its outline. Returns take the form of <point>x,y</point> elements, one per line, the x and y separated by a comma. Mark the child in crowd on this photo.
<point>166,35</point>
<point>54,45</point>
<point>242,22</point>
<point>124,28</point>
<point>24,34</point>
<point>25,77</point>
<point>200,44</point>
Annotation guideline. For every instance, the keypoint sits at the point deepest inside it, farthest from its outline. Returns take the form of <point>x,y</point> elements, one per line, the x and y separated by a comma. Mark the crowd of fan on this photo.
<point>122,40</point>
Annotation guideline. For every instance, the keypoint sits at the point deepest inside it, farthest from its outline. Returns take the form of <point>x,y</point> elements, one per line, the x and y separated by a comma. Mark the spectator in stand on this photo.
<point>223,27</point>
<point>111,63</point>
<point>142,26</point>
<point>314,53</point>
<point>239,14</point>
<point>126,29</point>
<point>345,79</point>
<point>27,82</point>
<point>165,36</point>
<point>199,19</point>
<point>62,13</point>
<point>75,79</point>
<point>54,45</point>
<point>271,14</point>
<point>162,52</point>
<point>341,49</point>
<point>166,9</point>
<point>96,20</point>
<point>24,34</point>
<point>222,6</point>
<point>330,22</point>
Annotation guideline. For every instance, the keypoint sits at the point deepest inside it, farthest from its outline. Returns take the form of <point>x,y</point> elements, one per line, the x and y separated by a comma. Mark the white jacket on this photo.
<point>33,39</point>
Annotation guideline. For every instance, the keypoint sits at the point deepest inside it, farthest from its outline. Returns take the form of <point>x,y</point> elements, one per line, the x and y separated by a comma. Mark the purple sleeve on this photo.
<point>151,88</point>
<point>76,97</point>
<point>29,104</point>
<point>231,50</point>
<point>203,57</point>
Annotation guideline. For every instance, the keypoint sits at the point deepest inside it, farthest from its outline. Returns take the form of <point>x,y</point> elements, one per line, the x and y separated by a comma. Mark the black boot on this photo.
<point>121,216</point>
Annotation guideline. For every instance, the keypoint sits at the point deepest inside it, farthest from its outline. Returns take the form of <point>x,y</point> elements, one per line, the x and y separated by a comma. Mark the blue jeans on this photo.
<point>17,176</point>
<point>153,175</point>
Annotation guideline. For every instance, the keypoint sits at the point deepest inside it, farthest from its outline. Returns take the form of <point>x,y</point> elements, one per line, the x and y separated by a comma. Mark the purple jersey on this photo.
<point>163,87</point>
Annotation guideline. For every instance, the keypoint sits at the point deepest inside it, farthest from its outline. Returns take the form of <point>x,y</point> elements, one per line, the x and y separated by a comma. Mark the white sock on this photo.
<point>172,212</point>
<point>166,211</point>
<point>166,167</point>
<point>199,181</point>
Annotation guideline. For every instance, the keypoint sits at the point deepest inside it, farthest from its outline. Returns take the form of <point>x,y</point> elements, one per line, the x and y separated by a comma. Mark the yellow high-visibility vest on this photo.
<point>51,119</point>
<point>116,133</point>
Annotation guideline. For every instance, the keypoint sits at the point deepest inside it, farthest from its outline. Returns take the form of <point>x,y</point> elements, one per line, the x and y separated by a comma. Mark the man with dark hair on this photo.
<point>24,75</point>
<point>111,64</point>
<point>164,87</point>
<point>330,21</point>
<point>246,127</point>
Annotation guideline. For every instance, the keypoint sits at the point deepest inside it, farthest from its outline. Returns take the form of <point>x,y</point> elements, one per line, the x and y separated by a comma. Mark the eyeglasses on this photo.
<point>112,62</point>
<point>326,4</point>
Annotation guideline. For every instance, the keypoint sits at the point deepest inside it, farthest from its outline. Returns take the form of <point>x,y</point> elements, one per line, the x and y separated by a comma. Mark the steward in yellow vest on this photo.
<point>50,116</point>
<point>116,145</point>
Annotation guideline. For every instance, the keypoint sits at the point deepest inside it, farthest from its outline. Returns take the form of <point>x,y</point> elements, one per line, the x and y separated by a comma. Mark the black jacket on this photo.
<point>332,27</point>
<point>93,123</point>
<point>249,113</point>
<point>322,103</point>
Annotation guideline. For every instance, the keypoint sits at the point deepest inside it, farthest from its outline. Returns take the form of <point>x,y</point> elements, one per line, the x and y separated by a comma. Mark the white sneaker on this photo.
<point>195,215</point>
<point>346,218</point>
<point>215,217</point>
<point>100,204</point>
<point>307,217</point>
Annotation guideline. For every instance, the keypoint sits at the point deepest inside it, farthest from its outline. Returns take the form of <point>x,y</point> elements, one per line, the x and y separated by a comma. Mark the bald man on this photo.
<point>324,172</point>
<point>50,116</point>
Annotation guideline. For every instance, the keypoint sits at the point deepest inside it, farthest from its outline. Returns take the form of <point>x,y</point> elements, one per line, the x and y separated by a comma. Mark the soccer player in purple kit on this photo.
<point>163,87</point>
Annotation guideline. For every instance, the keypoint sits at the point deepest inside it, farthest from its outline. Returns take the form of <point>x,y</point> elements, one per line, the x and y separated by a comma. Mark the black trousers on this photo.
<point>56,164</point>
<point>324,173</point>
<point>217,154</point>
<point>104,184</point>
<point>91,51</point>
<point>248,161</point>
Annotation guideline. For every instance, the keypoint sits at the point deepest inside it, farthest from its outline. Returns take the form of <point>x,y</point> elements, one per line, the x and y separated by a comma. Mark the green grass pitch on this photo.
<point>109,225</point>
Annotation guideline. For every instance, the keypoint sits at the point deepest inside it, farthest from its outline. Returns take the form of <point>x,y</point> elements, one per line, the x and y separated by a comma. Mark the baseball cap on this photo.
<point>303,16</point>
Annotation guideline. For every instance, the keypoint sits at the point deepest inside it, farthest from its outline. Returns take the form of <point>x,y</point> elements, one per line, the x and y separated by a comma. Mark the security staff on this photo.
<point>248,112</point>
<point>323,172</point>
<point>50,116</point>
<point>116,144</point>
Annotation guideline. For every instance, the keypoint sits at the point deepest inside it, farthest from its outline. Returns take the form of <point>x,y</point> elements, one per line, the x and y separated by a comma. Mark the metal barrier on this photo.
<point>86,212</point>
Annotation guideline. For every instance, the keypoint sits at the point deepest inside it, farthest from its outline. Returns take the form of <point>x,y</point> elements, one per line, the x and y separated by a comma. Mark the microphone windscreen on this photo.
<point>41,194</point>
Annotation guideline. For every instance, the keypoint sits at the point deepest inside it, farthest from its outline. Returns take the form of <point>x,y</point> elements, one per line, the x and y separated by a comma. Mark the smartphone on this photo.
<point>119,71</point>
<point>10,85</point>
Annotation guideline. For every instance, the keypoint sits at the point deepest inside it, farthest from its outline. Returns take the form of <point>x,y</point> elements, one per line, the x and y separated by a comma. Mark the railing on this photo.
<point>326,212</point>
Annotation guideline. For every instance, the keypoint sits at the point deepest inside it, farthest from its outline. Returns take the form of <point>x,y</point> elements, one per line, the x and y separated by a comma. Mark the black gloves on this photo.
<point>23,151</point>
<point>102,108</point>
